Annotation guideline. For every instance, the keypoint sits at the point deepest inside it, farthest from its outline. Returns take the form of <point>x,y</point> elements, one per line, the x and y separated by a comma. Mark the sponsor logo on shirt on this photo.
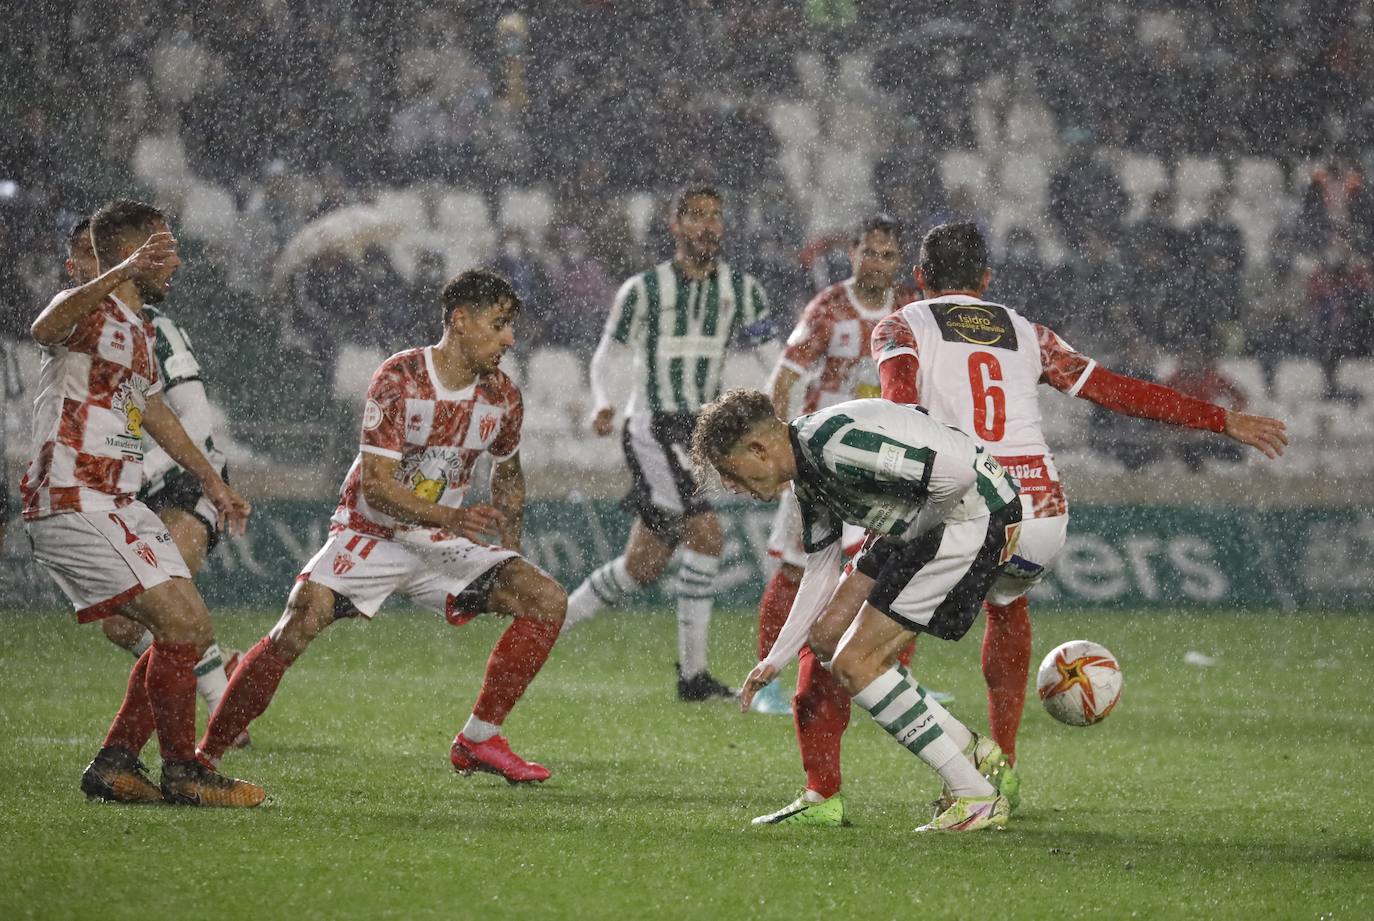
<point>976,324</point>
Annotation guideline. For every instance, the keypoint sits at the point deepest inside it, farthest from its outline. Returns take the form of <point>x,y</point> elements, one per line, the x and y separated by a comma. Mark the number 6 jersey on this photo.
<point>978,366</point>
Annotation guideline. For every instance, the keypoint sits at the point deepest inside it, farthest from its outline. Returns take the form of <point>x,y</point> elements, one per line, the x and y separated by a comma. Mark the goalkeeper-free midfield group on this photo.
<point>914,491</point>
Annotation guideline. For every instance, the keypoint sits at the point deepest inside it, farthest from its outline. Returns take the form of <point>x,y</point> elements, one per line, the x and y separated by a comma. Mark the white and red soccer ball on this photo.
<point>1079,682</point>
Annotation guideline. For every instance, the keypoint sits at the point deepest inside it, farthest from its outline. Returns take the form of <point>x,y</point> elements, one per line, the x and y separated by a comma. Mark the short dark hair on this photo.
<point>79,234</point>
<point>478,288</point>
<point>689,192</point>
<point>879,223</point>
<point>723,422</point>
<point>114,219</point>
<point>954,256</point>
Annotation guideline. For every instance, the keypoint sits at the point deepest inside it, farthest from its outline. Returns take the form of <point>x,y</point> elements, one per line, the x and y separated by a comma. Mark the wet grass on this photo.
<point>1236,791</point>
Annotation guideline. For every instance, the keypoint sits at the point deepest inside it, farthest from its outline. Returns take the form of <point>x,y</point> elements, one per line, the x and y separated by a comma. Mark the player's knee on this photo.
<point>851,670</point>
<point>308,611</point>
<point>548,601</point>
<point>704,535</point>
<point>645,571</point>
<point>121,631</point>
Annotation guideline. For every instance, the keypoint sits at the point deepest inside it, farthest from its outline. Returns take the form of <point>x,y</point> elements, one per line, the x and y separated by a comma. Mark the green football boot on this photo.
<point>801,811</point>
<point>971,813</point>
<point>987,756</point>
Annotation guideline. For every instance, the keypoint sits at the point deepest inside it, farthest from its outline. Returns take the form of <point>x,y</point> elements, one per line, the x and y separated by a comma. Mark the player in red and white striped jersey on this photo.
<point>978,366</point>
<point>99,390</point>
<point>190,518</point>
<point>401,527</point>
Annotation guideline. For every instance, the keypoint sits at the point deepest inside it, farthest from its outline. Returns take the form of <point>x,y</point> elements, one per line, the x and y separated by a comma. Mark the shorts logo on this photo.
<point>342,564</point>
<point>372,415</point>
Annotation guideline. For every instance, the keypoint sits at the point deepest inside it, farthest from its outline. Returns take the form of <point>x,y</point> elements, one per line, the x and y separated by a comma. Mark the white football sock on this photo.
<point>902,708</point>
<point>696,591</point>
<point>144,643</point>
<point>958,733</point>
<point>609,585</point>
<point>210,678</point>
<point>475,730</point>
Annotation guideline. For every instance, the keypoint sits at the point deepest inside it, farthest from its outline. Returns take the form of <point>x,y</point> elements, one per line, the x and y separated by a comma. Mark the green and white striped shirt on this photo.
<point>889,468</point>
<point>185,394</point>
<point>680,330</point>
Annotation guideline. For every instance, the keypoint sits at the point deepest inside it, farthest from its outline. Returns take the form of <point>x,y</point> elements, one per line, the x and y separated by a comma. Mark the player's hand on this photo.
<point>603,423</point>
<point>151,257</point>
<point>1266,435</point>
<point>233,508</point>
<point>478,523</point>
<point>758,678</point>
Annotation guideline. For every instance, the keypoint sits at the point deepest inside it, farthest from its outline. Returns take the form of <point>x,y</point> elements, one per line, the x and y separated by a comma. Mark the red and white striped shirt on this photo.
<point>829,345</point>
<point>93,389</point>
<point>437,434</point>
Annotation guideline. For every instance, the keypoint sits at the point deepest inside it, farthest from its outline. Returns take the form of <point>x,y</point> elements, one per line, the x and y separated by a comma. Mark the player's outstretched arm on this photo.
<point>54,324</point>
<point>1266,435</point>
<point>508,498</point>
<point>390,497</point>
<point>819,580</point>
<point>166,429</point>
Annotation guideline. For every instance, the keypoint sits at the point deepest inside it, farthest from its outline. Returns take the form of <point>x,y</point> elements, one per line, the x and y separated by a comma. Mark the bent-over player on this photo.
<point>942,517</point>
<point>401,529</point>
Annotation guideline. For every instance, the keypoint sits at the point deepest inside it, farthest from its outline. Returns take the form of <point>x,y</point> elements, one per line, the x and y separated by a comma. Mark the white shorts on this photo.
<point>103,560</point>
<point>367,570</point>
<point>785,537</point>
<point>1041,541</point>
<point>936,583</point>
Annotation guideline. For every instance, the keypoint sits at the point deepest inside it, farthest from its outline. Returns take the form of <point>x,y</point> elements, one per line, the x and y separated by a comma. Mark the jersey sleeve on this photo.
<point>809,338</point>
<point>756,326</point>
<point>1062,368</point>
<point>384,413</point>
<point>892,337</point>
<point>507,441</point>
<point>175,359</point>
<point>626,311</point>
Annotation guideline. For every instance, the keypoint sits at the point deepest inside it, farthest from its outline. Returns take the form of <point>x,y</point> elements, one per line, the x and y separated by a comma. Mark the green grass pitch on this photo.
<point>1236,791</point>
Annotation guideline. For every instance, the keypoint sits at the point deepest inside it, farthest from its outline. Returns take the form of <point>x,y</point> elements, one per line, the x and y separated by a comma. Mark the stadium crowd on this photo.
<point>1215,199</point>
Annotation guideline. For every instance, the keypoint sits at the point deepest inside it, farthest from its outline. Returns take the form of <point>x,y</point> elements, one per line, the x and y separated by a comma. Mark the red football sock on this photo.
<point>773,609</point>
<point>907,653</point>
<point>820,711</point>
<point>171,689</point>
<point>134,723</point>
<point>1006,667</point>
<point>515,660</point>
<point>250,691</point>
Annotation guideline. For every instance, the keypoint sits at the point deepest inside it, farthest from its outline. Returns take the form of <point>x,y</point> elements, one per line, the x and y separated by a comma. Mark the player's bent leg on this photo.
<point>865,664</point>
<point>538,605</point>
<point>695,591</point>
<point>190,535</point>
<point>310,608</point>
<point>646,556</point>
<point>127,634</point>
<point>1006,660</point>
<point>180,623</point>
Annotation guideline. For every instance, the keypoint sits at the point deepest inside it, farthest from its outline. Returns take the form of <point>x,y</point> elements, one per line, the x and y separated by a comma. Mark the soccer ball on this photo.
<point>1079,682</point>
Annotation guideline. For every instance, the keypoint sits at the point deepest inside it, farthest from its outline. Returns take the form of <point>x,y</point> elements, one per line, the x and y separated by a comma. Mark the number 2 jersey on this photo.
<point>979,365</point>
<point>436,434</point>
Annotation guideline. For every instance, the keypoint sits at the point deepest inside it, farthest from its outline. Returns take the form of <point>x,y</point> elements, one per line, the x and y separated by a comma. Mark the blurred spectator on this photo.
<point>1105,308</point>
<point>1337,200</point>
<point>1024,282</point>
<point>1085,196</point>
<point>581,289</point>
<point>1276,320</point>
<point>1216,251</point>
<point>1340,300</point>
<point>1198,376</point>
<point>516,261</point>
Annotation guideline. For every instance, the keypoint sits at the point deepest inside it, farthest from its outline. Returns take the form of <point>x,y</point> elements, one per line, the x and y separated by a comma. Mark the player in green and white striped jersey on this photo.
<point>172,493</point>
<point>942,515</point>
<point>675,323</point>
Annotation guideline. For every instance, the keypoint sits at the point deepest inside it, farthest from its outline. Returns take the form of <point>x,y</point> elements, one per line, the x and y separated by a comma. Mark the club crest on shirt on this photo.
<point>482,426</point>
<point>342,564</point>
